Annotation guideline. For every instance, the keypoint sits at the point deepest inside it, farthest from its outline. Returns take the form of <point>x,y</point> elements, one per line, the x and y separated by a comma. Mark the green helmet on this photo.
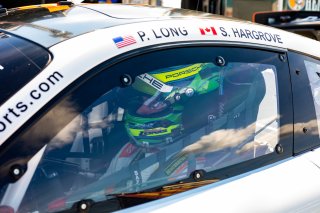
<point>154,115</point>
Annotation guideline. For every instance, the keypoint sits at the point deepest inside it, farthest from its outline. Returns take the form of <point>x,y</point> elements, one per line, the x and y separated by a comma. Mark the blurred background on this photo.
<point>242,9</point>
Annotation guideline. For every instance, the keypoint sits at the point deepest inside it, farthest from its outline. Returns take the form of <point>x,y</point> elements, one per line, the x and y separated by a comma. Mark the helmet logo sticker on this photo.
<point>181,73</point>
<point>158,85</point>
<point>153,131</point>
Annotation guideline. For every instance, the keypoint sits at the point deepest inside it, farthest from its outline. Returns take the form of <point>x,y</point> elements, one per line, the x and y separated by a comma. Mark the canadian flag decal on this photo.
<point>208,31</point>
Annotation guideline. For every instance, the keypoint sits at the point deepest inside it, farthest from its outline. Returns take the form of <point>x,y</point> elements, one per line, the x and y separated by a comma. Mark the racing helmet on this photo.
<point>154,113</point>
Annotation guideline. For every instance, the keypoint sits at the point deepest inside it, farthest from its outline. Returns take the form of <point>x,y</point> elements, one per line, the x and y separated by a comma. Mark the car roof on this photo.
<point>49,24</point>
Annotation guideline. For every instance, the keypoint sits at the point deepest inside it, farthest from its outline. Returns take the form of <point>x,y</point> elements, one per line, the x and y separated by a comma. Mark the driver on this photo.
<point>169,109</point>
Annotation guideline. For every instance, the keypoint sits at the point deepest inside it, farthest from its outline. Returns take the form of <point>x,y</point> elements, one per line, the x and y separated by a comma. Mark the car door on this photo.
<point>188,114</point>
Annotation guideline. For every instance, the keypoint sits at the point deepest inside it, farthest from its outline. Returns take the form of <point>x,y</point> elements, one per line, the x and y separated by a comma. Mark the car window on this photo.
<point>138,127</point>
<point>313,70</point>
<point>20,61</point>
<point>304,88</point>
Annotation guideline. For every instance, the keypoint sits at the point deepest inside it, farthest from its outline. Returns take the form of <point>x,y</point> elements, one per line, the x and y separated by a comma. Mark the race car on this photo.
<point>131,108</point>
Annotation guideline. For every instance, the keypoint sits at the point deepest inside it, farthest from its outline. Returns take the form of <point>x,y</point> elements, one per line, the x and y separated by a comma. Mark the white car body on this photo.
<point>290,185</point>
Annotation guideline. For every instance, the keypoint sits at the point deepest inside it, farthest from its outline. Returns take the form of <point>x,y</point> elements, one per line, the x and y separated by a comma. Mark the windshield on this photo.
<point>133,142</point>
<point>49,24</point>
<point>20,61</point>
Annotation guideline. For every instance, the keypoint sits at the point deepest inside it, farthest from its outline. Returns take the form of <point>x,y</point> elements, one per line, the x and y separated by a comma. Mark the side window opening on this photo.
<point>170,123</point>
<point>313,71</point>
<point>304,78</point>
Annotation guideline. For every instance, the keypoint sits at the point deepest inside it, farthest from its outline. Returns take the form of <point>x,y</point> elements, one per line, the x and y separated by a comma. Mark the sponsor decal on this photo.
<point>163,32</point>
<point>14,112</point>
<point>296,4</point>
<point>179,74</point>
<point>251,34</point>
<point>241,33</point>
<point>183,73</point>
<point>208,31</point>
<point>124,41</point>
<point>312,5</point>
<point>158,85</point>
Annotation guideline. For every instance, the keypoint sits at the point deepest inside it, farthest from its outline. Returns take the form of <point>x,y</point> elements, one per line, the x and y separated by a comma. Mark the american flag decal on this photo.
<point>123,41</point>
